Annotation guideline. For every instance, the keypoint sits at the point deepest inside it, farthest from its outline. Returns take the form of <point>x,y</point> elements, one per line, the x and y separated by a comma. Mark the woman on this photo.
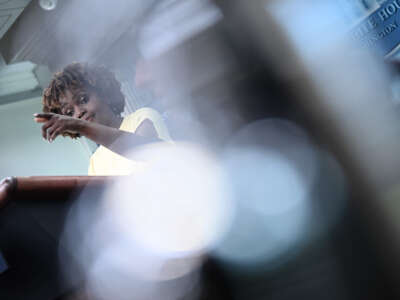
<point>84,100</point>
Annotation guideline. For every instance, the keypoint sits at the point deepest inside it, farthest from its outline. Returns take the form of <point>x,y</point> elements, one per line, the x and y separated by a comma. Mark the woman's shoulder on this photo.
<point>143,113</point>
<point>133,120</point>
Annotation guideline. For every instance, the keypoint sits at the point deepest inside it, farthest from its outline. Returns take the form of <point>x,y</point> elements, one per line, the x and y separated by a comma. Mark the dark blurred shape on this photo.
<point>30,228</point>
<point>256,71</point>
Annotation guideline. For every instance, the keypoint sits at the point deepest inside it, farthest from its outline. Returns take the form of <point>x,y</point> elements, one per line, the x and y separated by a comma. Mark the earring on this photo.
<point>115,110</point>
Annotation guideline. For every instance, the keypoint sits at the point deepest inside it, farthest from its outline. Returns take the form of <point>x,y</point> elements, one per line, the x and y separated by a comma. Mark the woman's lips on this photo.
<point>89,118</point>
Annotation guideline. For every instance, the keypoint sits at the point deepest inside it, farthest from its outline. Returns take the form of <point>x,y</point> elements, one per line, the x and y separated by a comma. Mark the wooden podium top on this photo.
<point>43,187</point>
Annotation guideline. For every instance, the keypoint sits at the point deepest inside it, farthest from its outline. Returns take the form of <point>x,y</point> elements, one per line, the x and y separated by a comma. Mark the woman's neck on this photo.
<point>116,121</point>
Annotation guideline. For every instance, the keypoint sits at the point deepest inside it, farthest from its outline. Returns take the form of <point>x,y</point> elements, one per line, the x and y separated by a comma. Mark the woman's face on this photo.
<point>86,106</point>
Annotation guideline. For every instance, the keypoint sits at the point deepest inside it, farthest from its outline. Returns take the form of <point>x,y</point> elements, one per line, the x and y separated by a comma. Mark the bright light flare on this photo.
<point>149,235</point>
<point>272,167</point>
<point>179,204</point>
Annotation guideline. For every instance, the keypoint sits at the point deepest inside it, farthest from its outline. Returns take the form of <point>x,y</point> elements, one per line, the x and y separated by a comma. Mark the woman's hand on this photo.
<point>118,141</point>
<point>55,124</point>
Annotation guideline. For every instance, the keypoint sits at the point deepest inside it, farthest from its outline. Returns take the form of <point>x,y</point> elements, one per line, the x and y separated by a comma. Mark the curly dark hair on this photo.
<point>76,77</point>
<point>81,76</point>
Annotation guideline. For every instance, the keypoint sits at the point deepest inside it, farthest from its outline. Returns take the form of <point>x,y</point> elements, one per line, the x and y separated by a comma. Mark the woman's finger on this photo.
<point>55,133</point>
<point>47,116</point>
<point>44,133</point>
<point>46,127</point>
<point>50,130</point>
<point>42,118</point>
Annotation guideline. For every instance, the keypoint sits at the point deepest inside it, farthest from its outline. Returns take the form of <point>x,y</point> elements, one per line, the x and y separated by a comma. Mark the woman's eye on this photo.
<point>69,113</point>
<point>83,99</point>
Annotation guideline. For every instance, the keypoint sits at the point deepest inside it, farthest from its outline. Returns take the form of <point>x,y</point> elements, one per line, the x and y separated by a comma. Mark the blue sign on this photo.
<point>381,29</point>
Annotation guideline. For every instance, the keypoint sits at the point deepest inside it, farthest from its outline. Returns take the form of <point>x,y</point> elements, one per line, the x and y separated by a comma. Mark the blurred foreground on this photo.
<point>283,182</point>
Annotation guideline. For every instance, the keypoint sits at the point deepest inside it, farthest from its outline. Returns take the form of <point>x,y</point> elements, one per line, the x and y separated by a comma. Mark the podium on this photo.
<point>32,215</point>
